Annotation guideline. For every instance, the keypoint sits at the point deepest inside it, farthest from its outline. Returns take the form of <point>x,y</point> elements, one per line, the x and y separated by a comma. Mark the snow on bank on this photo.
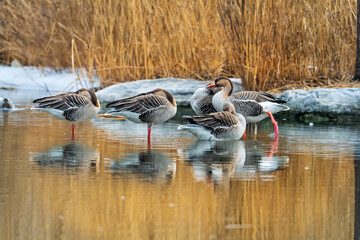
<point>31,82</point>
<point>324,100</point>
<point>182,89</point>
<point>46,79</point>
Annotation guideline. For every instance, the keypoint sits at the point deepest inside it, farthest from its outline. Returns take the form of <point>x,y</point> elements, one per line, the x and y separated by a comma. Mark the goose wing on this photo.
<point>205,105</point>
<point>214,120</point>
<point>140,103</point>
<point>246,107</point>
<point>257,96</point>
<point>220,123</point>
<point>63,102</point>
<point>246,95</point>
<point>267,97</point>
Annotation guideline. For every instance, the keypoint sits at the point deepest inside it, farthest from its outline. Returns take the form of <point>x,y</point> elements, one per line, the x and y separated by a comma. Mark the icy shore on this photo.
<point>335,101</point>
<point>182,89</point>
<point>31,82</point>
<point>321,101</point>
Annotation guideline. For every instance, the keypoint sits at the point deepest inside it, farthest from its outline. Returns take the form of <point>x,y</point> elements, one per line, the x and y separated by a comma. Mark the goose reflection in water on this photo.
<point>215,162</point>
<point>261,159</point>
<point>150,164</point>
<point>73,155</point>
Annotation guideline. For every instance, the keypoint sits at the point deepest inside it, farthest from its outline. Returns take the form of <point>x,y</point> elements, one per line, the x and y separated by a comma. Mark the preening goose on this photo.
<point>153,107</point>
<point>201,100</point>
<point>254,106</point>
<point>222,126</point>
<point>72,106</point>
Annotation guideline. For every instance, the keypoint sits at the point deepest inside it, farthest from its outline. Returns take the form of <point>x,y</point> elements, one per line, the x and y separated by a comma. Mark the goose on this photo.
<point>153,107</point>
<point>220,126</point>
<point>255,106</point>
<point>72,106</point>
<point>6,103</point>
<point>201,100</point>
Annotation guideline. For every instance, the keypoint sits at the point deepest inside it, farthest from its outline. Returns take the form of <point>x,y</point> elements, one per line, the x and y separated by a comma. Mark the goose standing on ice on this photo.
<point>72,106</point>
<point>221,126</point>
<point>153,107</point>
<point>255,106</point>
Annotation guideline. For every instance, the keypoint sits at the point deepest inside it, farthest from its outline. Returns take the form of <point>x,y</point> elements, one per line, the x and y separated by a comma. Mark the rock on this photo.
<point>324,101</point>
<point>182,89</point>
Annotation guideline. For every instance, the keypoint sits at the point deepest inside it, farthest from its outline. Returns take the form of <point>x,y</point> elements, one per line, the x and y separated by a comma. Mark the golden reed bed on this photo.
<point>268,43</point>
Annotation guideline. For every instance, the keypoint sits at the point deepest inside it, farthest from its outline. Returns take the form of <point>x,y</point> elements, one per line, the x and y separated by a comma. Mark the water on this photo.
<point>305,184</point>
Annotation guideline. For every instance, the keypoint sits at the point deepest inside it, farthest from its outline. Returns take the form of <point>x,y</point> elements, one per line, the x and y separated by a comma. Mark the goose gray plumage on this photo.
<point>153,107</point>
<point>201,100</point>
<point>72,106</point>
<point>221,126</point>
<point>6,103</point>
<point>255,106</point>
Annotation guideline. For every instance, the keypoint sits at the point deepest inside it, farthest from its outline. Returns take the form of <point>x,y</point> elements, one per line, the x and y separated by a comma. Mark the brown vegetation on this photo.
<point>268,43</point>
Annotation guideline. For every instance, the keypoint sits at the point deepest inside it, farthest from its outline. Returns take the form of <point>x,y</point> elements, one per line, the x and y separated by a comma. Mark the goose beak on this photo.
<point>211,85</point>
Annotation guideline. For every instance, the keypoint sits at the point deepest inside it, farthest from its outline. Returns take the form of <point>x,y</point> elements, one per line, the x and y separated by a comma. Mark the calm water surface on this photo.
<point>107,185</point>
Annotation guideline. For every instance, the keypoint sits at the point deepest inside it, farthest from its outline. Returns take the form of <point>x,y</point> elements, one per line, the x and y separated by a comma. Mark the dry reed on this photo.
<point>267,43</point>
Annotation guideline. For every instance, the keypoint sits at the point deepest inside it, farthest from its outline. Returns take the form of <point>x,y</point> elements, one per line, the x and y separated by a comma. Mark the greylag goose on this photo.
<point>72,106</point>
<point>153,107</point>
<point>255,106</point>
<point>221,126</point>
<point>6,103</point>
<point>201,100</point>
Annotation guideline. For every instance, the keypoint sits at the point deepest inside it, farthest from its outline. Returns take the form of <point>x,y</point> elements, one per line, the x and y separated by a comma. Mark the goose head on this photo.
<point>212,90</point>
<point>222,83</point>
<point>166,94</point>
<point>90,95</point>
<point>229,107</point>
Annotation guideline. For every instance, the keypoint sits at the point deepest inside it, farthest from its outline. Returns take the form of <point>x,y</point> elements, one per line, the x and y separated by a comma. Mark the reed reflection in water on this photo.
<point>168,193</point>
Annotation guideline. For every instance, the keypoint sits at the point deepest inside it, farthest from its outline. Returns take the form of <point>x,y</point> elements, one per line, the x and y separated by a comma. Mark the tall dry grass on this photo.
<point>275,42</point>
<point>267,43</point>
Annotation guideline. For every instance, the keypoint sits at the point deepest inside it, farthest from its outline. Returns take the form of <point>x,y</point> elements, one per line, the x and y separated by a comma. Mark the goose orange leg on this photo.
<point>73,131</point>
<point>274,122</point>
<point>149,137</point>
